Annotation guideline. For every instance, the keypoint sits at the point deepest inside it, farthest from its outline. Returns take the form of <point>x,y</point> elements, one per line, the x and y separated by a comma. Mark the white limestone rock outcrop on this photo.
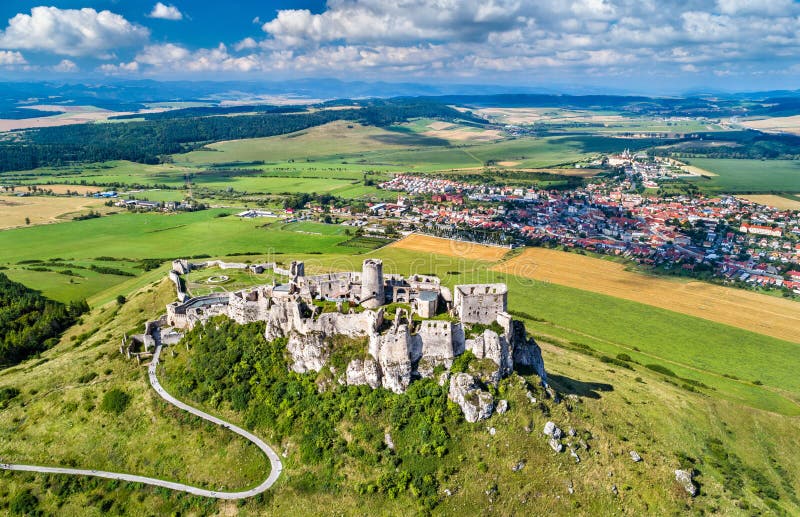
<point>684,477</point>
<point>308,352</point>
<point>364,372</point>
<point>475,403</point>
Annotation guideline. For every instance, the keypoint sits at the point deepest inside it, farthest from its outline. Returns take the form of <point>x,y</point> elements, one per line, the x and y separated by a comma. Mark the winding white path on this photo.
<point>275,461</point>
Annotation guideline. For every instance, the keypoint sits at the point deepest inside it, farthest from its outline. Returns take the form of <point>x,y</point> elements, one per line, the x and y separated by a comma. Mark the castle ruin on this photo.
<point>427,330</point>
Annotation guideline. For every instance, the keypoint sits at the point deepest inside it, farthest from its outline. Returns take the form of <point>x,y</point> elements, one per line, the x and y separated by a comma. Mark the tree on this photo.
<point>121,299</point>
<point>27,220</point>
<point>115,401</point>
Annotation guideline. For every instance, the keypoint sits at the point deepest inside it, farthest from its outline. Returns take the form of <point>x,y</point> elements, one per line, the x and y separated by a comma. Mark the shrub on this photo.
<point>24,503</point>
<point>624,357</point>
<point>87,377</point>
<point>121,299</point>
<point>661,369</point>
<point>115,401</point>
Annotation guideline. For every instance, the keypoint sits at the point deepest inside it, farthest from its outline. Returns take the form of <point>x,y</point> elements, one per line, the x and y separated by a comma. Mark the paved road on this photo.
<point>275,461</point>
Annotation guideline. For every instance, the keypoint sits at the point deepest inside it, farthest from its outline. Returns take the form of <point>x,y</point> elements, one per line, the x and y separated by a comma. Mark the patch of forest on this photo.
<point>29,322</point>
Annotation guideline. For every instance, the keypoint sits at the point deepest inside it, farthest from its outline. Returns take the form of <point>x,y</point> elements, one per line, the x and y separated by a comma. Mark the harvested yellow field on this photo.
<point>772,316</point>
<point>776,124</point>
<point>62,189</point>
<point>449,247</point>
<point>438,125</point>
<point>690,169</point>
<point>455,133</point>
<point>781,203</point>
<point>41,209</point>
<point>533,115</point>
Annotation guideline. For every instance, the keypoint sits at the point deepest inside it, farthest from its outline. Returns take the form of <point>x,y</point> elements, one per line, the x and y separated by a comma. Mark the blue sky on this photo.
<point>636,45</point>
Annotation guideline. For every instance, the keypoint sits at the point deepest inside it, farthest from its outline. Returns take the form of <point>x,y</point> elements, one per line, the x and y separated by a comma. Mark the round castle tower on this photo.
<point>372,293</point>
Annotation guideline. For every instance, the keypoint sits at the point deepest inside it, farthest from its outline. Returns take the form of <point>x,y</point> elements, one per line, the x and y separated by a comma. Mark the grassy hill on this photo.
<point>739,436</point>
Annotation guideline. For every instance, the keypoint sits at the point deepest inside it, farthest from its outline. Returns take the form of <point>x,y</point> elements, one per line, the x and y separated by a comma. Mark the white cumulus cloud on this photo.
<point>180,59</point>
<point>66,66</point>
<point>166,12</point>
<point>8,57</point>
<point>121,68</point>
<point>71,32</point>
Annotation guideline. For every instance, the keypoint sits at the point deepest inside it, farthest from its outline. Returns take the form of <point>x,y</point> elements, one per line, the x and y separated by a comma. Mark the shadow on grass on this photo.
<point>406,137</point>
<point>567,386</point>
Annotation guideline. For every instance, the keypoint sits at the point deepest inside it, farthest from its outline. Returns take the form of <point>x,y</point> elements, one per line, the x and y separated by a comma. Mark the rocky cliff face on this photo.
<point>397,355</point>
<point>475,403</point>
<point>528,353</point>
<point>364,372</point>
<point>308,352</point>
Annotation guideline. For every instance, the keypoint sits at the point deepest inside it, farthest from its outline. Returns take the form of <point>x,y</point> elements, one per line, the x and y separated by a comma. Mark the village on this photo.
<point>724,237</point>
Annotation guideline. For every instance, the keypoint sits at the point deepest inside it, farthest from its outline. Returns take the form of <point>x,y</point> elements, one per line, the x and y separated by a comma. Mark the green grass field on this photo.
<point>138,236</point>
<point>749,176</point>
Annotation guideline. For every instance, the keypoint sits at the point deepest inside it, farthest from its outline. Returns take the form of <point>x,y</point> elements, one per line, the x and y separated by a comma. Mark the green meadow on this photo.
<point>748,176</point>
<point>130,237</point>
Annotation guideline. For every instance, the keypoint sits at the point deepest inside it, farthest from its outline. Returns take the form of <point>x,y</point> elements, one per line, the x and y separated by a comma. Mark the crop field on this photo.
<point>601,122</point>
<point>531,115</point>
<point>780,202</point>
<point>63,189</point>
<point>453,133</point>
<point>777,317</point>
<point>334,139</point>
<point>449,247</point>
<point>42,209</point>
<point>748,176</point>
<point>775,124</point>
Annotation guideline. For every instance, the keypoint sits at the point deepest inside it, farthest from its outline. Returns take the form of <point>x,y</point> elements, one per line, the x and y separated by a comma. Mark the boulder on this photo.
<point>556,445</point>
<point>475,403</point>
<point>502,406</point>
<point>552,430</point>
<point>527,353</point>
<point>387,439</point>
<point>684,477</point>
<point>635,456</point>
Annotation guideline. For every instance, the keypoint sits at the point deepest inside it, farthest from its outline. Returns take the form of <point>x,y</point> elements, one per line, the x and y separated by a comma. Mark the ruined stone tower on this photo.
<point>297,269</point>
<point>372,293</point>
